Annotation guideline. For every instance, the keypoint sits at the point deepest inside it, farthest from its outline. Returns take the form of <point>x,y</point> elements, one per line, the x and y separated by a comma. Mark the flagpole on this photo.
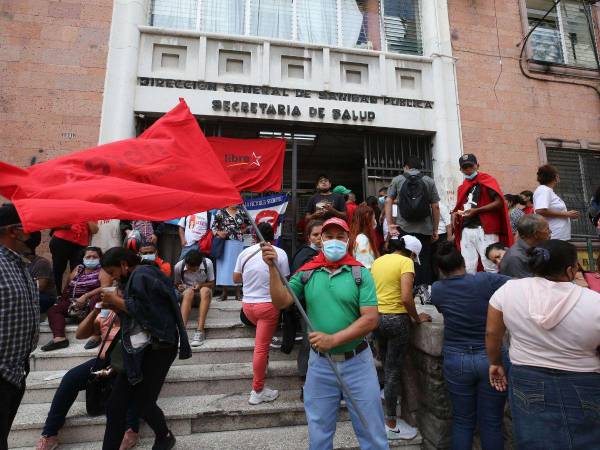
<point>309,327</point>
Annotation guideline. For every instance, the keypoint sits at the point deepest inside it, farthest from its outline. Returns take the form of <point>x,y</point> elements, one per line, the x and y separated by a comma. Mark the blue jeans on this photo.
<point>473,398</point>
<point>186,249</point>
<point>322,396</point>
<point>554,409</point>
<point>73,381</point>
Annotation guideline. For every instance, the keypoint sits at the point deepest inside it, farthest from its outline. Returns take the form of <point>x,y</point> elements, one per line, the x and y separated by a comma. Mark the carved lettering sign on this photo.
<point>282,92</point>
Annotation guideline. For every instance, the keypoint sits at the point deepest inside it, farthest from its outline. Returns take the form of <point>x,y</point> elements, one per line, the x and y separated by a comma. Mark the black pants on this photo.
<point>63,253</point>
<point>434,249</point>
<point>393,336</point>
<point>11,396</point>
<point>423,271</point>
<point>155,365</point>
<point>291,321</point>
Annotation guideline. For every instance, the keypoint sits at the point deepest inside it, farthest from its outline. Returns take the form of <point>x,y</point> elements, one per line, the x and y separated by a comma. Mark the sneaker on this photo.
<point>167,443</point>
<point>198,339</point>
<point>276,342</point>
<point>401,431</point>
<point>55,345</point>
<point>130,440</point>
<point>91,343</point>
<point>266,395</point>
<point>47,443</point>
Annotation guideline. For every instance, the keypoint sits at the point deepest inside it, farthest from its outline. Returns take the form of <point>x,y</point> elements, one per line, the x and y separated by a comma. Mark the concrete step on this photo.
<point>185,416</point>
<point>215,328</point>
<point>213,351</point>
<point>199,379</point>
<point>289,438</point>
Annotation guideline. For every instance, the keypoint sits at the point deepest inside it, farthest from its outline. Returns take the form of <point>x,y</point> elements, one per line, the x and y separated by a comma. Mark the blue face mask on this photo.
<point>472,176</point>
<point>150,257</point>
<point>334,250</point>
<point>381,200</point>
<point>91,263</point>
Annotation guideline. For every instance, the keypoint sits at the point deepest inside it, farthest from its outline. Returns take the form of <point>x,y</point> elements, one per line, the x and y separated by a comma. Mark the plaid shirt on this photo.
<point>19,316</point>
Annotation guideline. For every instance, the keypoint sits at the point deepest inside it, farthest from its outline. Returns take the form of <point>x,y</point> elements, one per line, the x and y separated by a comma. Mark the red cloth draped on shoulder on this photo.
<point>493,222</point>
<point>320,261</point>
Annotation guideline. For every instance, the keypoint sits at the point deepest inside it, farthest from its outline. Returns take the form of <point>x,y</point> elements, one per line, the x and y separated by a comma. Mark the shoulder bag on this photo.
<point>98,388</point>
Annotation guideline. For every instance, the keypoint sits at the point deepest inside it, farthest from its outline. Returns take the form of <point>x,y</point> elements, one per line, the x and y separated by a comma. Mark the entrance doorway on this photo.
<point>361,160</point>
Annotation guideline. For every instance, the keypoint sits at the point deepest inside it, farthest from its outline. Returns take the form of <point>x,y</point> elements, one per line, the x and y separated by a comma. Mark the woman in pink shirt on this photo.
<point>554,325</point>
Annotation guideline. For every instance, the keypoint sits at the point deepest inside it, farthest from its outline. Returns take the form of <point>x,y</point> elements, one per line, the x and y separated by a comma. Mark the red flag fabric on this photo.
<point>254,165</point>
<point>169,171</point>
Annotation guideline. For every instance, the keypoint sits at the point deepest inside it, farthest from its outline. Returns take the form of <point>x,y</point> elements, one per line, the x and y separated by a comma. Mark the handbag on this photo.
<point>98,388</point>
<point>205,243</point>
<point>217,247</point>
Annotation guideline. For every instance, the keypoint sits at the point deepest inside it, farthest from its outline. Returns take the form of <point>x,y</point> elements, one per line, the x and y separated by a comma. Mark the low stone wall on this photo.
<point>425,401</point>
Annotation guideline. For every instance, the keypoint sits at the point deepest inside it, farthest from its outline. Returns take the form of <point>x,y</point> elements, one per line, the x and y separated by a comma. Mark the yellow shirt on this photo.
<point>387,271</point>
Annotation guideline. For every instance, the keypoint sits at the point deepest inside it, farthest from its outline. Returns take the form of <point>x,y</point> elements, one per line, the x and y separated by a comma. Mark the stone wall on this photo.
<point>425,401</point>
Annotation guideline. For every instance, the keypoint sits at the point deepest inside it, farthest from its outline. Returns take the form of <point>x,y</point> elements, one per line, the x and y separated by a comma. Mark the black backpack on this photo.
<point>413,200</point>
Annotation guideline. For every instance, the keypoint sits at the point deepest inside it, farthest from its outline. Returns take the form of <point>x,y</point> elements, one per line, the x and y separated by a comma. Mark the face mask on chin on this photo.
<point>472,176</point>
<point>315,246</point>
<point>334,249</point>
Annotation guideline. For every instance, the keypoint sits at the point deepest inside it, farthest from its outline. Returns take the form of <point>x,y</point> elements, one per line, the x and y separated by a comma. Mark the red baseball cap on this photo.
<point>336,221</point>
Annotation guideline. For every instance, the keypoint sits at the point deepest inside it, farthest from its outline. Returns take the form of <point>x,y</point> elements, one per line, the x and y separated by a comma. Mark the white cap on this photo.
<point>413,244</point>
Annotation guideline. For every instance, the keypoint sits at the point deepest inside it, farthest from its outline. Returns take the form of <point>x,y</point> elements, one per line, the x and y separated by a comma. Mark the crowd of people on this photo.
<point>492,264</point>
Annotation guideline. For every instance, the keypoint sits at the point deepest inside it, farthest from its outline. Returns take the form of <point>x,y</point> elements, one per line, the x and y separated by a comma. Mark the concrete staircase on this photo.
<point>205,398</point>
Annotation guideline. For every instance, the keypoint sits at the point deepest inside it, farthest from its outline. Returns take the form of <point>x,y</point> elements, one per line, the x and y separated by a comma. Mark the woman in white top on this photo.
<point>554,325</point>
<point>253,272</point>
<point>546,203</point>
<point>362,243</point>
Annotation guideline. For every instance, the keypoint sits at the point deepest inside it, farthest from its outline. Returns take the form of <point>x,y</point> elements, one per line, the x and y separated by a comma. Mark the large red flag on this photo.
<point>168,171</point>
<point>254,165</point>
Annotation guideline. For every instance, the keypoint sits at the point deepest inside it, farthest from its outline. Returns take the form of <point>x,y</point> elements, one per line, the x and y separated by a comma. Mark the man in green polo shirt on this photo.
<point>341,303</point>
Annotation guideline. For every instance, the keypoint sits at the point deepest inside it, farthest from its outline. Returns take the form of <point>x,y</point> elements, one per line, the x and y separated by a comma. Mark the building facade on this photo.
<point>354,86</point>
<point>522,106</point>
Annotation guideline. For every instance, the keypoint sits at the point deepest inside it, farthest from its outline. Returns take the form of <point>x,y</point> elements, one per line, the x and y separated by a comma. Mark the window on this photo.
<point>391,25</point>
<point>578,171</point>
<point>565,35</point>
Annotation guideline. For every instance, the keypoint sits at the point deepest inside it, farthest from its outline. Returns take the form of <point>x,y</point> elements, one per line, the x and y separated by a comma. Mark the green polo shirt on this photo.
<point>333,302</point>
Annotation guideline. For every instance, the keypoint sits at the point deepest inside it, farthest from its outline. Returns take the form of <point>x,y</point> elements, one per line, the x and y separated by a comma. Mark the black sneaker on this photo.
<point>55,345</point>
<point>276,342</point>
<point>166,443</point>
<point>91,343</point>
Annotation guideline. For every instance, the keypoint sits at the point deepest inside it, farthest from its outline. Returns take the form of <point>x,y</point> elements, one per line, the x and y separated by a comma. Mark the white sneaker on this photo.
<point>402,431</point>
<point>198,339</point>
<point>266,395</point>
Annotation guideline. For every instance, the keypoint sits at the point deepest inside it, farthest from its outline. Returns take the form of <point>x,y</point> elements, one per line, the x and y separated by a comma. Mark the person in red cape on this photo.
<point>341,304</point>
<point>481,216</point>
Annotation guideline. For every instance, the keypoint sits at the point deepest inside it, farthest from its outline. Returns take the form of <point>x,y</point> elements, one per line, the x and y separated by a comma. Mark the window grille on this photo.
<point>390,25</point>
<point>578,172</point>
<point>564,36</point>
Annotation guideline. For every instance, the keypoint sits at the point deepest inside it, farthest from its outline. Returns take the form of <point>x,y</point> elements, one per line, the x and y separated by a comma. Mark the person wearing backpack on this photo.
<point>194,279</point>
<point>343,310</point>
<point>418,213</point>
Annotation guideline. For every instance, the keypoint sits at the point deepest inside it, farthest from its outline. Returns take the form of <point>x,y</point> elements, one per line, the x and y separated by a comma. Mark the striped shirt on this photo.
<point>19,316</point>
